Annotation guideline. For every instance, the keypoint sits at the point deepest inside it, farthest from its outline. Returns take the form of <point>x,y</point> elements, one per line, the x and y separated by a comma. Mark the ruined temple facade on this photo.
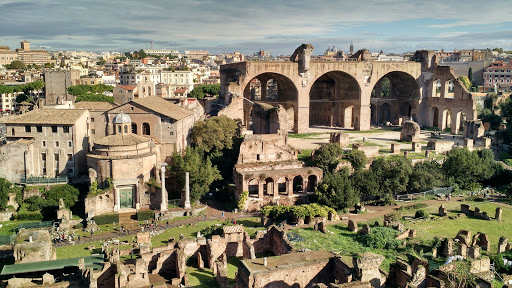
<point>352,94</point>
<point>269,170</point>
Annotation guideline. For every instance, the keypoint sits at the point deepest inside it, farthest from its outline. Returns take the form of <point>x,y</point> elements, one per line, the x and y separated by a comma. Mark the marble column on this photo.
<point>163,204</point>
<point>187,191</point>
<point>117,206</point>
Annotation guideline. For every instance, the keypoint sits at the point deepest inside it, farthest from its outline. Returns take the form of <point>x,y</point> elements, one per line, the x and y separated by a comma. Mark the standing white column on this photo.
<point>163,205</point>
<point>187,191</point>
<point>118,199</point>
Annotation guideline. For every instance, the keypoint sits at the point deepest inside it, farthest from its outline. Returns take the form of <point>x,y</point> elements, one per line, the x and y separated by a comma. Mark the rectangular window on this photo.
<point>57,144</point>
<point>43,162</point>
<point>65,129</point>
<point>54,129</point>
<point>70,157</point>
<point>28,129</point>
<point>171,133</point>
<point>43,143</point>
<point>92,119</point>
<point>93,131</point>
<point>39,129</point>
<point>70,144</point>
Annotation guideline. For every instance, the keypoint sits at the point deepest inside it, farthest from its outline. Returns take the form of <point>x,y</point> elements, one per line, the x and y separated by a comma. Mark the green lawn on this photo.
<point>200,279</point>
<point>80,250</point>
<point>342,241</point>
<point>8,227</point>
<point>188,231</point>
<point>309,135</point>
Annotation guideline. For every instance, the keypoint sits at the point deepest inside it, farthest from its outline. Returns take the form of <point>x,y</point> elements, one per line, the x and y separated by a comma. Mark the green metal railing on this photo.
<point>7,240</point>
<point>31,225</point>
<point>43,180</point>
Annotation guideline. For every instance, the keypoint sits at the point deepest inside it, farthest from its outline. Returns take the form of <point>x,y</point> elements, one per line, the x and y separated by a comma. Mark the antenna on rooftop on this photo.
<point>151,45</point>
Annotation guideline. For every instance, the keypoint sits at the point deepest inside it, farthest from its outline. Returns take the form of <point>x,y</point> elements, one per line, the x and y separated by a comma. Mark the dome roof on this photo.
<point>122,118</point>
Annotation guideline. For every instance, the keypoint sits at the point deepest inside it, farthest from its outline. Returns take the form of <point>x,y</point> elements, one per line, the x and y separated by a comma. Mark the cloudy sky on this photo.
<point>278,26</point>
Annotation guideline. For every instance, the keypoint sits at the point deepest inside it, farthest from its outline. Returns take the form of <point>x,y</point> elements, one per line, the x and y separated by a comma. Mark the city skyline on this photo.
<point>275,26</point>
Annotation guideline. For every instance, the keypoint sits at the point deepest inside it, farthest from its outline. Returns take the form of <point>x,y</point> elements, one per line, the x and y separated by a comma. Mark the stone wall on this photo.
<point>369,151</point>
<point>440,146</point>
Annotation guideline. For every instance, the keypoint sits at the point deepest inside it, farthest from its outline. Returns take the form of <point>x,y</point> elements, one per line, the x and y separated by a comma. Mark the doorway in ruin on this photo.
<point>435,117</point>
<point>447,120</point>
<point>334,97</point>
<point>311,183</point>
<point>298,182</point>
<point>385,113</point>
<point>400,89</point>
<point>268,187</point>
<point>282,186</point>
<point>253,188</point>
<point>271,89</point>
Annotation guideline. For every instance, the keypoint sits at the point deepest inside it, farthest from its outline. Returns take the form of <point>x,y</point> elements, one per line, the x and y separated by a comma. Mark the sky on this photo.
<point>277,26</point>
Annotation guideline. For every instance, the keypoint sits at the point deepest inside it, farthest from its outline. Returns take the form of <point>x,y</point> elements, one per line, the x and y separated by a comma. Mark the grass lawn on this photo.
<point>189,231</point>
<point>8,227</point>
<point>251,225</point>
<point>342,241</point>
<point>80,250</point>
<point>199,279</point>
<point>309,135</point>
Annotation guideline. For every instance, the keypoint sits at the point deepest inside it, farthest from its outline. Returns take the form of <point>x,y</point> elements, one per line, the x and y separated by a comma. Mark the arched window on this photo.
<point>134,128</point>
<point>125,128</point>
<point>145,129</point>
<point>119,129</point>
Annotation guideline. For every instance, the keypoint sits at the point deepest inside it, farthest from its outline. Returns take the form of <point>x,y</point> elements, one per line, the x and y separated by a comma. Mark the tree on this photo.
<point>202,172</point>
<point>357,158</point>
<point>327,156</point>
<point>470,74</point>
<point>486,115</point>
<point>142,54</point>
<point>506,110</point>
<point>202,91</point>
<point>336,191</point>
<point>392,174</point>
<point>18,65</point>
<point>95,98</point>
<point>215,134</point>
<point>366,184</point>
<point>467,168</point>
<point>465,80</point>
<point>461,275</point>
<point>425,176</point>
<point>68,193</point>
<point>6,187</point>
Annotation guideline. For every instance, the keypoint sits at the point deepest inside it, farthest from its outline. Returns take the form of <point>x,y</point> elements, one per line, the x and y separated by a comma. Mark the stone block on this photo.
<point>369,151</point>
<point>395,148</point>
<point>143,238</point>
<point>442,210</point>
<point>410,131</point>
<point>366,229</point>
<point>502,244</point>
<point>406,154</point>
<point>486,142</point>
<point>499,212</point>
<point>352,226</point>
<point>416,147</point>
<point>440,146</point>
<point>447,248</point>
<point>474,252</point>
<point>462,250</point>
<point>48,279</point>
<point>464,237</point>
<point>469,143</point>
<point>427,153</point>
<point>340,138</point>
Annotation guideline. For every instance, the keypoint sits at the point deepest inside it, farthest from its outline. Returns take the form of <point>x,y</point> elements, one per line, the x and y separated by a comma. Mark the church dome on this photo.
<point>122,118</point>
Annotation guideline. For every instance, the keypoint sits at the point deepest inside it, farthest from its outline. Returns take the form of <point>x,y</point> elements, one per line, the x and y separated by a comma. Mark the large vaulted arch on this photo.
<point>334,100</point>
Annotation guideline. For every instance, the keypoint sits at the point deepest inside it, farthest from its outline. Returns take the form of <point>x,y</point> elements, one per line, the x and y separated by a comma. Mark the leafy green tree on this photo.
<point>486,115</point>
<point>465,80</point>
<point>470,74</point>
<point>68,193</point>
<point>201,91</point>
<point>18,65</point>
<point>506,110</point>
<point>215,134</point>
<point>466,168</point>
<point>327,156</point>
<point>461,276</point>
<point>142,54</point>
<point>366,184</point>
<point>357,158</point>
<point>425,176</point>
<point>336,191</point>
<point>381,238</point>
<point>392,174</point>
<point>95,98</point>
<point>84,89</point>
<point>24,97</point>
<point>6,187</point>
<point>202,172</point>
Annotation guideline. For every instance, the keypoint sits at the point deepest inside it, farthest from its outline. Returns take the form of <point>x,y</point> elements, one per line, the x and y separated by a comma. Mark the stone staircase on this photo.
<point>128,220</point>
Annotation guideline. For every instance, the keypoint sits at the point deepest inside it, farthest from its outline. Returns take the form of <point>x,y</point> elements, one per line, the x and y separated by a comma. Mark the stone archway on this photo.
<point>268,187</point>
<point>334,98</point>
<point>447,119</point>
<point>282,186</point>
<point>298,183</point>
<point>312,181</point>
<point>271,89</point>
<point>384,113</point>
<point>253,187</point>
<point>435,117</point>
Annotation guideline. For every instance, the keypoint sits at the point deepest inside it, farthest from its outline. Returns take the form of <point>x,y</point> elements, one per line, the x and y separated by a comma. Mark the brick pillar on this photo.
<point>289,185</point>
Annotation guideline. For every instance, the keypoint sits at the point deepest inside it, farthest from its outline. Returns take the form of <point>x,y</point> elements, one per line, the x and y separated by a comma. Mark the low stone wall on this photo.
<point>6,216</point>
<point>369,151</point>
<point>180,212</point>
<point>466,209</point>
<point>440,146</point>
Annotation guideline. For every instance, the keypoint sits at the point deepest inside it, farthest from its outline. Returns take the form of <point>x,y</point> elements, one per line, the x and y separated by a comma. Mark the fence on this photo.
<point>410,196</point>
<point>43,180</point>
<point>31,225</point>
<point>175,202</point>
<point>7,240</point>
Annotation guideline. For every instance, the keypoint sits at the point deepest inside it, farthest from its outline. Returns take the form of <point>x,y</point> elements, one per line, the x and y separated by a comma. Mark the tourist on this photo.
<point>92,232</point>
<point>222,214</point>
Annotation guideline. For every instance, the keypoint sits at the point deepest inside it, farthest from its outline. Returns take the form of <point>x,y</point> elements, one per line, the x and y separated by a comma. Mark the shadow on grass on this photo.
<point>204,278</point>
<point>249,222</point>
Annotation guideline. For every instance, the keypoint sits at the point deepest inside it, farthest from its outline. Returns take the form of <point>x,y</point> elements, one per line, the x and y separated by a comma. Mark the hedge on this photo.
<point>29,216</point>
<point>145,215</point>
<point>106,219</point>
<point>281,212</point>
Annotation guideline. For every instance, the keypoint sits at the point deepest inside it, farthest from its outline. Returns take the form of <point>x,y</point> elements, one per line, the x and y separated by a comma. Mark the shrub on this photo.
<point>380,238</point>
<point>106,219</point>
<point>241,201</point>
<point>420,213</point>
<point>79,226</point>
<point>145,215</point>
<point>29,216</point>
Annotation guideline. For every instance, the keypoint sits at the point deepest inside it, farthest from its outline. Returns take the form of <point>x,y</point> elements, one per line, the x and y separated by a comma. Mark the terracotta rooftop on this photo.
<point>48,116</point>
<point>180,90</point>
<point>163,107</point>
<point>122,140</point>
<point>233,229</point>
<point>103,106</point>
<point>127,87</point>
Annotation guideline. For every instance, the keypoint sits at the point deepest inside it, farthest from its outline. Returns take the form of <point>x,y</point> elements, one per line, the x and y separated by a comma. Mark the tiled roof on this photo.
<point>233,229</point>
<point>127,87</point>
<point>163,107</point>
<point>48,116</point>
<point>89,105</point>
<point>122,140</point>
